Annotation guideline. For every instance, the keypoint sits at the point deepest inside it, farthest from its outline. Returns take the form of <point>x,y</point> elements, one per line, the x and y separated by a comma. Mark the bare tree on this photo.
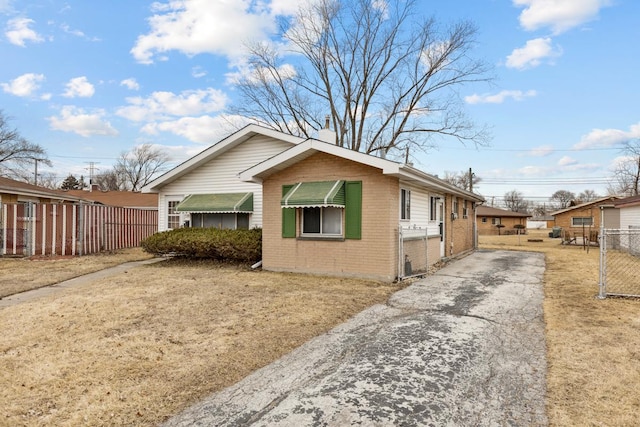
<point>515,202</point>
<point>386,78</point>
<point>16,153</point>
<point>110,180</point>
<point>465,180</point>
<point>563,198</point>
<point>140,165</point>
<point>587,196</point>
<point>627,173</point>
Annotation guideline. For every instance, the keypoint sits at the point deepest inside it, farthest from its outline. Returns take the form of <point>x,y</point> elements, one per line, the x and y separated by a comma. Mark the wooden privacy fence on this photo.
<point>28,229</point>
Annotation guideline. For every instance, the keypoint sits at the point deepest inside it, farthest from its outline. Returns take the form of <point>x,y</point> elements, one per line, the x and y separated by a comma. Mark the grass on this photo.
<point>23,274</point>
<point>593,346</point>
<point>138,347</point>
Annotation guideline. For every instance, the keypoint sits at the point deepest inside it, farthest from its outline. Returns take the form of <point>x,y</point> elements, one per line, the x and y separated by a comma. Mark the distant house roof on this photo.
<point>216,150</point>
<point>627,202</point>
<point>10,186</point>
<point>495,212</point>
<point>596,202</point>
<point>309,147</point>
<point>126,199</point>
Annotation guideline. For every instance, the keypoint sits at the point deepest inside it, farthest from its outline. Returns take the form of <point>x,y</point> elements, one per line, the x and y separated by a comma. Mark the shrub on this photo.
<point>212,243</point>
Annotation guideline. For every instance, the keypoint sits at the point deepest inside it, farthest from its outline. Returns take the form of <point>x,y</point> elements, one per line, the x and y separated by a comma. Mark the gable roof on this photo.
<point>310,147</point>
<point>10,186</point>
<point>586,204</point>
<point>491,211</point>
<point>126,199</point>
<point>627,202</point>
<point>216,150</point>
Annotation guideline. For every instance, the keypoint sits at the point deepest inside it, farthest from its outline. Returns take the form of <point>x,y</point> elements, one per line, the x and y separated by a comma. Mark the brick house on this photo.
<point>333,211</point>
<point>494,221</point>
<point>582,219</point>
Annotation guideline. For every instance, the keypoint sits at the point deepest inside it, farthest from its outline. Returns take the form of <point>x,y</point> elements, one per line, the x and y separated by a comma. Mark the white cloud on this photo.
<point>131,84</point>
<point>559,15</point>
<point>198,26</point>
<point>79,87</point>
<point>18,32</point>
<point>198,72</point>
<point>541,151</point>
<point>203,129</point>
<point>162,105</point>
<point>24,85</point>
<point>533,53</point>
<point>499,97</point>
<point>567,161</point>
<point>76,120</point>
<point>608,137</point>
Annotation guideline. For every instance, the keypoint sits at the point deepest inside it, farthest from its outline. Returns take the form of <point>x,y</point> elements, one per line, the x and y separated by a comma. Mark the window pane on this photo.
<point>243,221</point>
<point>331,221</point>
<point>311,220</point>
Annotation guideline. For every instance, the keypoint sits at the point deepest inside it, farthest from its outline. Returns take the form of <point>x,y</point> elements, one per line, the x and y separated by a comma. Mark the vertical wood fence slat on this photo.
<point>71,229</point>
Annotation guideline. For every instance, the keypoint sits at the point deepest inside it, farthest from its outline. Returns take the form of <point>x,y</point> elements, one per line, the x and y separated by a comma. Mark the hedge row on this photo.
<point>212,243</point>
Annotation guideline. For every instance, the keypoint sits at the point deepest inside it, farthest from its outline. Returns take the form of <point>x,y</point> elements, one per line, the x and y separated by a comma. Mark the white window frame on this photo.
<point>465,210</point>
<point>405,204</point>
<point>172,214</point>
<point>322,224</point>
<point>496,221</point>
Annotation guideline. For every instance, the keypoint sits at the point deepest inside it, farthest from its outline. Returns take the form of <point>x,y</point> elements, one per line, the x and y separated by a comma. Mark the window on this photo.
<point>433,208</point>
<point>405,204</point>
<point>231,221</point>
<point>495,221</point>
<point>173,217</point>
<point>465,210</point>
<point>578,221</point>
<point>455,206</point>
<point>484,219</point>
<point>322,221</point>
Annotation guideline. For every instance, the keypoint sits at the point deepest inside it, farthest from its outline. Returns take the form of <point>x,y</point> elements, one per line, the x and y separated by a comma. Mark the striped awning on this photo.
<point>217,203</point>
<point>314,194</point>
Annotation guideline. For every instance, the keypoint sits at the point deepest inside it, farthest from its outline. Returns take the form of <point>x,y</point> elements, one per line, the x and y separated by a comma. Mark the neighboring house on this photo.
<point>205,190</point>
<point>629,211</point>
<point>584,217</point>
<point>125,199</point>
<point>20,192</point>
<point>494,221</point>
<point>333,211</point>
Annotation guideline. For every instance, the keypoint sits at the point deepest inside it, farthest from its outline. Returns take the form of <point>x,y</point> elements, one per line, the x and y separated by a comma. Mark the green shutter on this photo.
<point>288,216</point>
<point>353,210</point>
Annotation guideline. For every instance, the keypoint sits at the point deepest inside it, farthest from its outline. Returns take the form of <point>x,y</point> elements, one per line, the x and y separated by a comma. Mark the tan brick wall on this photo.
<point>459,232</point>
<point>488,228</point>
<point>374,256</point>
<point>564,219</point>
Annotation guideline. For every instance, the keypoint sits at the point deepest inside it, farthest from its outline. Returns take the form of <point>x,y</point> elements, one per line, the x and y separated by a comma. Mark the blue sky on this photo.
<point>89,80</point>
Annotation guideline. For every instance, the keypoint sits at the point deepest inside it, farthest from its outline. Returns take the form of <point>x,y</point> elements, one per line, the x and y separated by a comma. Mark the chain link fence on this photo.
<point>620,262</point>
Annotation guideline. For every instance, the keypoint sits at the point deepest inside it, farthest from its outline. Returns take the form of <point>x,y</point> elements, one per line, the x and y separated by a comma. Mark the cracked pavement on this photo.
<point>462,347</point>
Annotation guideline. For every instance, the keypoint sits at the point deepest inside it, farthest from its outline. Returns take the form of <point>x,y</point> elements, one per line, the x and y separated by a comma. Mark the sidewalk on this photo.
<point>76,281</point>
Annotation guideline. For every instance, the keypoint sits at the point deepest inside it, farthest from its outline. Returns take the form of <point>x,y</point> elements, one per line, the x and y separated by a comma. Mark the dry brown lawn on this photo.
<point>593,346</point>
<point>140,346</point>
<point>23,274</point>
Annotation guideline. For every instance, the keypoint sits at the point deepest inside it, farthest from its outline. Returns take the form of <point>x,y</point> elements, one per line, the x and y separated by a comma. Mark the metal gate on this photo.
<point>413,250</point>
<point>620,262</point>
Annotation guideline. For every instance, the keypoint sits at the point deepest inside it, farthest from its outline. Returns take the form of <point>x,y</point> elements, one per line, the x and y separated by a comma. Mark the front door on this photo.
<point>440,220</point>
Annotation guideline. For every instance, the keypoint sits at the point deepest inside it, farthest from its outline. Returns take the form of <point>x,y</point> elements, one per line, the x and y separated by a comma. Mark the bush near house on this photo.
<point>211,243</point>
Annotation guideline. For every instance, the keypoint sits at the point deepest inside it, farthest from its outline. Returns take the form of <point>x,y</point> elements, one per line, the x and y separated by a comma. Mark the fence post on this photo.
<point>80,228</point>
<point>602,294</point>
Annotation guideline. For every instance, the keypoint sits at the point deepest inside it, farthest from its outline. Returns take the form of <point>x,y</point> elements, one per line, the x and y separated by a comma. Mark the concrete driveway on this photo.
<point>463,347</point>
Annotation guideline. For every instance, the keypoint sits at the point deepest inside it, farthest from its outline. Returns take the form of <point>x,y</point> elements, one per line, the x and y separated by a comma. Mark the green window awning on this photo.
<point>217,203</point>
<point>314,194</point>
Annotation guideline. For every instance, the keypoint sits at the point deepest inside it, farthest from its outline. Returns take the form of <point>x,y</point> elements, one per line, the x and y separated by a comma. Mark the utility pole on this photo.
<point>92,168</point>
<point>470,180</point>
<point>35,173</point>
